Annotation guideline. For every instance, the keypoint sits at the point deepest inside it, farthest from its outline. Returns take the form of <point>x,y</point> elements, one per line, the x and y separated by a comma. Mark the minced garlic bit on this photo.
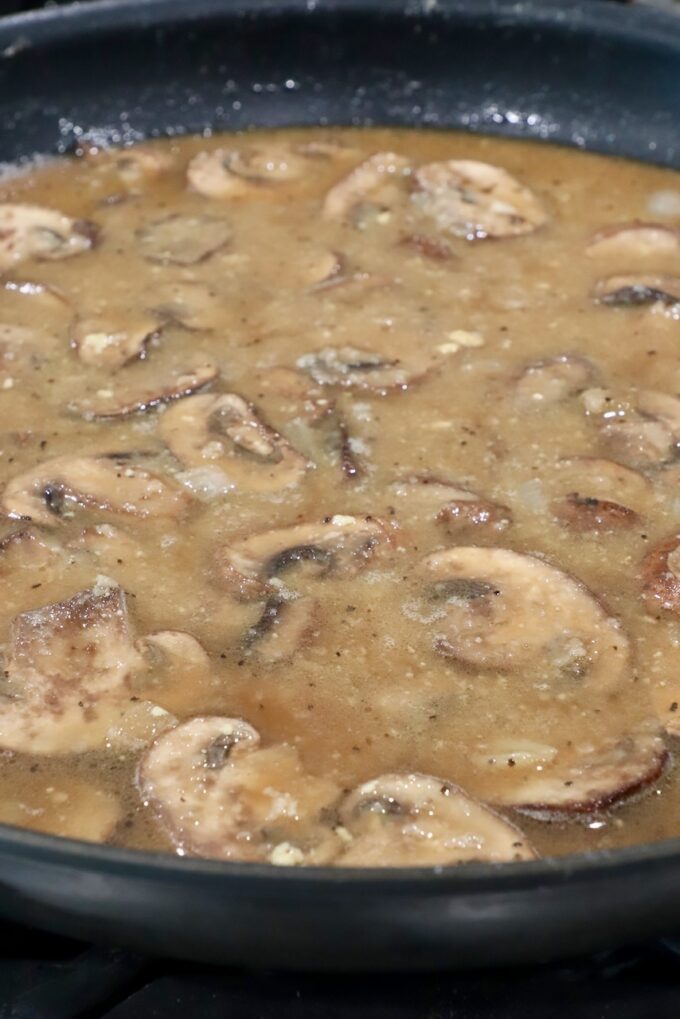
<point>286,855</point>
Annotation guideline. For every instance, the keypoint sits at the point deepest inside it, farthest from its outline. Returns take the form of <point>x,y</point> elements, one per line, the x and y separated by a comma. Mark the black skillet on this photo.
<point>590,74</point>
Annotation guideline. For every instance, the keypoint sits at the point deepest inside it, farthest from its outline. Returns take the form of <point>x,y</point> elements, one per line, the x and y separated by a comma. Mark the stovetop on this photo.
<point>43,976</point>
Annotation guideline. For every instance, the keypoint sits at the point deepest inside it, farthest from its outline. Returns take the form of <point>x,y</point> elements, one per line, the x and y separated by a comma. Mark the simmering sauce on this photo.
<point>340,498</point>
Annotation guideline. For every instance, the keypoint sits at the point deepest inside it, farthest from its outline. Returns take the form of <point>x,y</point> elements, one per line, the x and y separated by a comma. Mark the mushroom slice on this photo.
<point>182,239</point>
<point>341,545</point>
<point>509,611</point>
<point>64,659</point>
<point>113,341</point>
<point>596,777</point>
<point>284,626</point>
<point>661,576</point>
<point>290,394</point>
<point>375,182</point>
<point>177,670</point>
<point>135,165</point>
<point>430,498</point>
<point>224,432</point>
<point>219,794</point>
<point>110,484</point>
<point>553,379</point>
<point>351,367</point>
<point>587,513</point>
<point>598,495</point>
<point>476,200</point>
<point>634,240</point>
<point>123,399</point>
<point>83,643</point>
<point>66,806</point>
<point>322,269</point>
<point>189,304</point>
<point>640,291</point>
<point>31,231</point>
<point>419,820</point>
<point>244,173</point>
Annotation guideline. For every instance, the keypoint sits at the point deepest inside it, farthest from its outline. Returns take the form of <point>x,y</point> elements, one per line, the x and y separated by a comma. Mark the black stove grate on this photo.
<point>43,976</point>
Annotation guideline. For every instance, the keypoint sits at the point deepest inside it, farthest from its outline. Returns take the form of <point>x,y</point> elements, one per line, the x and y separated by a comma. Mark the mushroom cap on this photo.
<point>476,200</point>
<point>341,545</point>
<point>224,432</point>
<point>376,180</point>
<point>661,576</point>
<point>133,395</point>
<point>284,626</point>
<point>220,794</point>
<point>179,239</point>
<point>108,484</point>
<point>635,291</point>
<point>419,820</point>
<point>591,779</point>
<point>31,231</point>
<point>634,240</point>
<point>249,172</point>
<point>67,671</point>
<point>510,611</point>
<point>553,379</point>
<point>112,341</point>
<point>351,367</point>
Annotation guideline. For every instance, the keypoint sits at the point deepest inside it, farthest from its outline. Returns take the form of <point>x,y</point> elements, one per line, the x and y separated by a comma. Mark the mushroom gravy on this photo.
<point>340,494</point>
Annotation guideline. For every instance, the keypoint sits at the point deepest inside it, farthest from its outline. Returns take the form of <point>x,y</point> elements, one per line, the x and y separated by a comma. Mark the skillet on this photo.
<point>590,74</point>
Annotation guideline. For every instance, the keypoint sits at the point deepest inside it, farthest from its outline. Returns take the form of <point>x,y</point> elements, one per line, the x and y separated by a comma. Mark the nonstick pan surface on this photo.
<point>590,74</point>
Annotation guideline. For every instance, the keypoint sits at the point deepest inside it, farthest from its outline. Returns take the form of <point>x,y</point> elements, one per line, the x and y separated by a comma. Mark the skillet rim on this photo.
<point>52,25</point>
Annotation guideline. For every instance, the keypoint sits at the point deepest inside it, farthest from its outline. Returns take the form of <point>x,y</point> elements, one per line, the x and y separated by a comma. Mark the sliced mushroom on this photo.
<point>81,643</point>
<point>419,820</point>
<point>374,182</point>
<point>285,625</point>
<point>110,484</point>
<point>427,497</point>
<point>321,269</point>
<point>219,794</point>
<point>244,173</point>
<point>126,397</point>
<point>342,545</point>
<point>65,806</point>
<point>596,494</point>
<point>476,200</point>
<point>594,778</point>
<point>640,291</point>
<point>288,394</point>
<point>189,304</point>
<point>635,240</point>
<point>553,379</point>
<point>587,513</point>
<point>113,341</point>
<point>66,670</point>
<point>177,672</point>
<point>31,231</point>
<point>224,432</point>
<point>182,239</point>
<point>509,611</point>
<point>351,367</point>
<point>604,479</point>
<point>643,431</point>
<point>135,166</point>
<point>661,576</point>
